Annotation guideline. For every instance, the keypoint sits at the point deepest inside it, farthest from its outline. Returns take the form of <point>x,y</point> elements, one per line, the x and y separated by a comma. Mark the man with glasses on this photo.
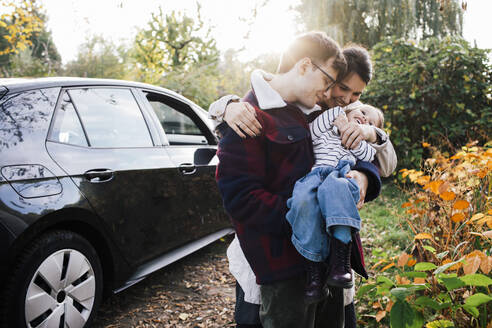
<point>256,177</point>
<point>331,81</point>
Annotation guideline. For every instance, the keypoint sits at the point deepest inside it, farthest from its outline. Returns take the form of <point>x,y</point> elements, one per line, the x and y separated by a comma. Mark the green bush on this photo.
<point>437,91</point>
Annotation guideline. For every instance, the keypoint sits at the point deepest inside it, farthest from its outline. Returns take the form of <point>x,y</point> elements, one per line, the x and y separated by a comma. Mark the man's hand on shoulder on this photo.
<point>362,182</point>
<point>241,117</point>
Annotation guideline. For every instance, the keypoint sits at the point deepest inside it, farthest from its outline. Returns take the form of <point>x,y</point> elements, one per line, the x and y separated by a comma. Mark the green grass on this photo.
<point>384,231</point>
<point>384,234</point>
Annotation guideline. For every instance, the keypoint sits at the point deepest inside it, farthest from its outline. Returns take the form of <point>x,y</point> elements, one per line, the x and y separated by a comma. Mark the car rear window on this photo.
<point>111,117</point>
<point>26,116</point>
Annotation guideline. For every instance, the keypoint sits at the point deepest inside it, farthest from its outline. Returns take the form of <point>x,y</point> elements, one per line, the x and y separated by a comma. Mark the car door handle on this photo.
<point>187,168</point>
<point>99,175</point>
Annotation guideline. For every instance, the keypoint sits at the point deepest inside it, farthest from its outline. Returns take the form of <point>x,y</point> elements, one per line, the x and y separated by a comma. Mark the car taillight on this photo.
<point>32,180</point>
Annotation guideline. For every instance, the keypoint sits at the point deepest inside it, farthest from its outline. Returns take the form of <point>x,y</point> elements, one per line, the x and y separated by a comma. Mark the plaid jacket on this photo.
<point>256,176</point>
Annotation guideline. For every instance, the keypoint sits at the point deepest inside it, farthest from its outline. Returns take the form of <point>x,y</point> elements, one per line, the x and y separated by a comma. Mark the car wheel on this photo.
<point>57,282</point>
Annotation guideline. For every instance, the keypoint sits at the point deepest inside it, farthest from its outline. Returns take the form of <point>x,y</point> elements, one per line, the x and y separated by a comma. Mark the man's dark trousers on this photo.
<point>283,307</point>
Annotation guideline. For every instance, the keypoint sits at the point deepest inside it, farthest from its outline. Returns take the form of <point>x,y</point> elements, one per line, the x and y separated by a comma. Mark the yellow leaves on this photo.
<point>486,219</point>
<point>482,173</point>
<point>422,236</point>
<point>461,205</point>
<point>414,175</point>
<point>425,144</point>
<point>478,253</point>
<point>380,315</point>
<point>23,46</point>
<point>411,211</point>
<point>481,219</point>
<point>403,259</point>
<point>378,263</point>
<point>458,205</point>
<point>476,217</point>
<point>402,280</point>
<point>472,264</point>
<point>20,24</point>
<point>453,267</point>
<point>444,187</point>
<point>486,264</point>
<point>453,191</point>
<point>389,306</point>
<point>423,180</point>
<point>387,267</point>
<point>458,155</point>
<point>458,217</point>
<point>434,186</point>
<point>407,204</point>
<point>447,195</point>
<point>475,260</point>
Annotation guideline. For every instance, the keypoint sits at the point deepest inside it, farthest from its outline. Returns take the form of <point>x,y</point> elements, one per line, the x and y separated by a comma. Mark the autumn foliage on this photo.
<point>443,278</point>
<point>20,23</point>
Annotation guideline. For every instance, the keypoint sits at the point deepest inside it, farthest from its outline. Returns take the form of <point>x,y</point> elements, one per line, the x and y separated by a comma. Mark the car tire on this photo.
<point>57,280</point>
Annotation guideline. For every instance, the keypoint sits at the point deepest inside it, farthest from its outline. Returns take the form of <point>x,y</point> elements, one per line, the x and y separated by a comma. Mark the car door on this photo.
<point>192,147</point>
<point>107,144</point>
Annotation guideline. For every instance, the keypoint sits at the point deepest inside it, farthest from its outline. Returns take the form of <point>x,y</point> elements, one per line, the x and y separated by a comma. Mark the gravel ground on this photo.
<point>197,291</point>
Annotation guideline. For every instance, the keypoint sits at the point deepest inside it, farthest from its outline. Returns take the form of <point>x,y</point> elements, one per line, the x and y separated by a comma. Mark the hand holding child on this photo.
<point>350,132</point>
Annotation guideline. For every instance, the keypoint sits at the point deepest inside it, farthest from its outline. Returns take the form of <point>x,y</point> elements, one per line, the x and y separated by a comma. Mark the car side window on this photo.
<point>177,120</point>
<point>111,117</point>
<point>66,125</point>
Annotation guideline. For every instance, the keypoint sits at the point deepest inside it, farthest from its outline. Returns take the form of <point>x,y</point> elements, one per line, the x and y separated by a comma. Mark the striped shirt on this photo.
<point>327,144</point>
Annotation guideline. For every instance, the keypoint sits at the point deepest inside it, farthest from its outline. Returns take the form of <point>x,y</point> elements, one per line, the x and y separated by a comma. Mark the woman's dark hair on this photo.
<point>314,45</point>
<point>358,61</point>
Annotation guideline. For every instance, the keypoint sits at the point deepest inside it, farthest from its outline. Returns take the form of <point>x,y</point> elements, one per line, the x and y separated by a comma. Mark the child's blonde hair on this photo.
<point>360,105</point>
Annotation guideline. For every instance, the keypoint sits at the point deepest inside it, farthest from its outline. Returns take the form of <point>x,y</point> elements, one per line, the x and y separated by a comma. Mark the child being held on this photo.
<point>323,207</point>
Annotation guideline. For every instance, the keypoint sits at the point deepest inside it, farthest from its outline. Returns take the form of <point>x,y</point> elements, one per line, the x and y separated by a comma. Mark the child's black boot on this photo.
<point>315,272</point>
<point>339,269</point>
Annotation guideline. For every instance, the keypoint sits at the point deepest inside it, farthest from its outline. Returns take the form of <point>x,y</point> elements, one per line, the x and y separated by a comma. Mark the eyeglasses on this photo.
<point>332,80</point>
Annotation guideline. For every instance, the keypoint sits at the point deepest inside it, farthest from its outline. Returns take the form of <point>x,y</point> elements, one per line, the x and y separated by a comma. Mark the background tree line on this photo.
<point>432,85</point>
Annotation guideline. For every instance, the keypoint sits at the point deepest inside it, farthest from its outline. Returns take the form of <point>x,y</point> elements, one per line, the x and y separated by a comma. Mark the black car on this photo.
<point>101,183</point>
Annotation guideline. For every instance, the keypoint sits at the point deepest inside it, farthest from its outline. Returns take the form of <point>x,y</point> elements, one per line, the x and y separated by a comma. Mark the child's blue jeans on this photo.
<point>321,199</point>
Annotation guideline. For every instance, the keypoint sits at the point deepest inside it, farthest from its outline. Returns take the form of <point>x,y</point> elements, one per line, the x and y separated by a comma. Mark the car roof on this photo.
<point>24,84</point>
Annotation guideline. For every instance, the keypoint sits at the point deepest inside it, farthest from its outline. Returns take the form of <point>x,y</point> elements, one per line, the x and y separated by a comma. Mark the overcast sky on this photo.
<point>72,20</point>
